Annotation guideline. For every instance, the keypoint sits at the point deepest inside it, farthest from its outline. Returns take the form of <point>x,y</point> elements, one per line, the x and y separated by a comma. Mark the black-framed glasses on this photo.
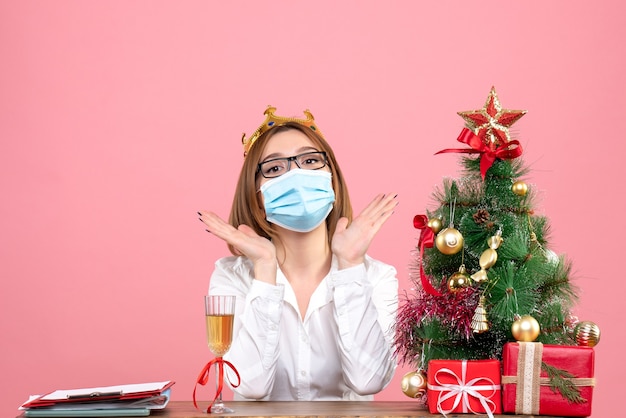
<point>276,167</point>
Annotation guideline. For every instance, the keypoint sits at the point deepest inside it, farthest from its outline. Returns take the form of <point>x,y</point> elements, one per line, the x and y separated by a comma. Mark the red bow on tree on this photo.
<point>427,240</point>
<point>506,151</point>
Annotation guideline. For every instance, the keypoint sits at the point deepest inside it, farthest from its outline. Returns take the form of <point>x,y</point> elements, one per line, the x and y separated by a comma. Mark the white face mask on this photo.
<point>299,200</point>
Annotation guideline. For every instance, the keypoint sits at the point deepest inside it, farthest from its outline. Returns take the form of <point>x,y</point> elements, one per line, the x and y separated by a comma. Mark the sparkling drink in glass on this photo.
<point>220,316</point>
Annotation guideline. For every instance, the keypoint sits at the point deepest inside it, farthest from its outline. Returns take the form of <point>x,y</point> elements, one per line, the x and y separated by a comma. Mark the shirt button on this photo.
<point>303,373</point>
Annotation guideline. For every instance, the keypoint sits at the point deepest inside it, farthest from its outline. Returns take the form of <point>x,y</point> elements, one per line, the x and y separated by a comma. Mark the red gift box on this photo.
<point>526,385</point>
<point>464,386</point>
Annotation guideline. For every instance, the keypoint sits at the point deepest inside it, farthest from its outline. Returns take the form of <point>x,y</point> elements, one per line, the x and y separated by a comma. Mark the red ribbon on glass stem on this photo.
<point>203,378</point>
<point>427,239</point>
<point>488,154</point>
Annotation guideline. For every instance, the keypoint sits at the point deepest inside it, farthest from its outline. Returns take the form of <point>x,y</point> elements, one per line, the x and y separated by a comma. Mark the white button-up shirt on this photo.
<point>343,349</point>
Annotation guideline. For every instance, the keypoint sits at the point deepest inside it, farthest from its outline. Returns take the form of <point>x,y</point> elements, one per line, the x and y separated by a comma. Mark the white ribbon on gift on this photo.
<point>463,390</point>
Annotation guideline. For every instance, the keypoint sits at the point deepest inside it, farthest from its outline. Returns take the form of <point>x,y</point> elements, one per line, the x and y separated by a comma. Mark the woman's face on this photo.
<point>287,144</point>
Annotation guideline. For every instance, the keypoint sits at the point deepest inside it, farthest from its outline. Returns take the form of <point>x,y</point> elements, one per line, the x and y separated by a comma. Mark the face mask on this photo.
<point>299,200</point>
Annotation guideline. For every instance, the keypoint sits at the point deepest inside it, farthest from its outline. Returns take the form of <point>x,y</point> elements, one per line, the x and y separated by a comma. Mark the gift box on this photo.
<point>465,386</point>
<point>529,385</point>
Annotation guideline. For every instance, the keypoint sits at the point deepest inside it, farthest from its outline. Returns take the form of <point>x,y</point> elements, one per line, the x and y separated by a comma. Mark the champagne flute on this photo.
<point>220,315</point>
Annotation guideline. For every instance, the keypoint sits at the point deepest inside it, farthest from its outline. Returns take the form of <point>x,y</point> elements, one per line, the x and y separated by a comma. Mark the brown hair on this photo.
<point>247,208</point>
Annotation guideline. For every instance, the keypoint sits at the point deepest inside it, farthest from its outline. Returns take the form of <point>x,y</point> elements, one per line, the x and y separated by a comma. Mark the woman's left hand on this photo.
<point>351,242</point>
<point>246,242</point>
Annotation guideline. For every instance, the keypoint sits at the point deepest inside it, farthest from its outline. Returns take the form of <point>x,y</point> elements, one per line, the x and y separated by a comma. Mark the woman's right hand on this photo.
<point>246,242</point>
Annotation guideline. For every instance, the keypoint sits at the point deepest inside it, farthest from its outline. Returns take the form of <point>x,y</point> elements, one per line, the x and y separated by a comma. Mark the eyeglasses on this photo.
<point>278,166</point>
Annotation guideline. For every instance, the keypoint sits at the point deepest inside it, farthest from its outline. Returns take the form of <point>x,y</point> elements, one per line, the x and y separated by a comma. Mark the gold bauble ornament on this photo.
<point>587,334</point>
<point>525,329</point>
<point>495,241</point>
<point>487,259</point>
<point>449,241</point>
<point>520,188</point>
<point>414,384</point>
<point>435,225</point>
<point>480,276</point>
<point>459,280</point>
<point>479,322</point>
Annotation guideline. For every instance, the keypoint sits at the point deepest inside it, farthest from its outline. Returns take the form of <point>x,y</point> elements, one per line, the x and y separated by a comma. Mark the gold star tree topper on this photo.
<point>492,122</point>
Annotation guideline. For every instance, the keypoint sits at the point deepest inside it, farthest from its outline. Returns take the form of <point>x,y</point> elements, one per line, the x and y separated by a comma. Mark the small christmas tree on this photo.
<point>483,273</point>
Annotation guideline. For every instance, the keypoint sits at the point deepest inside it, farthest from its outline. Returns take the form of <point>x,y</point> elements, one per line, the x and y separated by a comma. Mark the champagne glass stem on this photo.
<point>219,404</point>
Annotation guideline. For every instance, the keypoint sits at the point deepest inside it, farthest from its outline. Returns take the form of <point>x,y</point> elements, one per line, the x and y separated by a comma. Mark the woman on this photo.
<point>314,311</point>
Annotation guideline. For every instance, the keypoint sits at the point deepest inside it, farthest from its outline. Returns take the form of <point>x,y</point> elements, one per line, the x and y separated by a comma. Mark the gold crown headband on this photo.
<point>272,121</point>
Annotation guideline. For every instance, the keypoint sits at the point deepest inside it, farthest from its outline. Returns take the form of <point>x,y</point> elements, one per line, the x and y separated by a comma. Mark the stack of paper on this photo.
<point>135,400</point>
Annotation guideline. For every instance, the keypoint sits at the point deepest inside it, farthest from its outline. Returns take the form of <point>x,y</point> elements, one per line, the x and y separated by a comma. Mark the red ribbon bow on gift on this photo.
<point>203,378</point>
<point>427,239</point>
<point>463,390</point>
<point>506,151</point>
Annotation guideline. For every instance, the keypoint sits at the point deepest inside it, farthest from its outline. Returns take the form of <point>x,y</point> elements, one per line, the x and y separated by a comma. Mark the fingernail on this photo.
<point>199,214</point>
<point>207,231</point>
<point>395,195</point>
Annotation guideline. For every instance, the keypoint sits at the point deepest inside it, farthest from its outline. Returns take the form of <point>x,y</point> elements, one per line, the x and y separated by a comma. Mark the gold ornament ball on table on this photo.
<point>520,188</point>
<point>525,329</point>
<point>587,334</point>
<point>449,241</point>
<point>414,384</point>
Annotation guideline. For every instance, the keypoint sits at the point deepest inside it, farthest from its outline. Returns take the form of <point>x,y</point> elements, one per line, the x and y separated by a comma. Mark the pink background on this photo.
<point>120,119</point>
